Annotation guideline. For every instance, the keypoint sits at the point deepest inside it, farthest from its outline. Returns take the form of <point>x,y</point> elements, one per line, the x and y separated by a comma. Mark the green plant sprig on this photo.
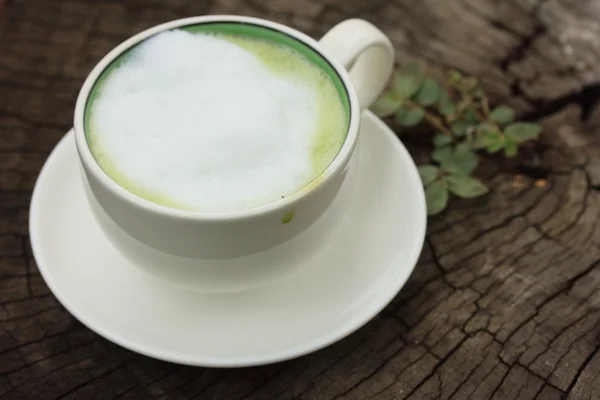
<point>459,112</point>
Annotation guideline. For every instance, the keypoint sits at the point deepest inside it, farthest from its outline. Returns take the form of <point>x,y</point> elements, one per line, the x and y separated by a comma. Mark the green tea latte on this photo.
<point>214,120</point>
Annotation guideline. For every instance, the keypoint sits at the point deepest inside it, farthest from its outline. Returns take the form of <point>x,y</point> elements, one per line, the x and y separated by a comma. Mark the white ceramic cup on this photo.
<point>238,250</point>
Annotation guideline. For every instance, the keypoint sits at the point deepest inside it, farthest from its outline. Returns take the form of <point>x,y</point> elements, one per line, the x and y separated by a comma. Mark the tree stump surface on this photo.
<point>505,300</point>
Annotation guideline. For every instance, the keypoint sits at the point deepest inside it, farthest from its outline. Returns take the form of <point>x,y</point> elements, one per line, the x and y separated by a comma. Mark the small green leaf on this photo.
<point>495,147</point>
<point>502,115</point>
<point>462,161</point>
<point>459,127</point>
<point>445,105</point>
<point>409,116</point>
<point>485,128</point>
<point>386,105</point>
<point>428,173</point>
<point>466,186</point>
<point>462,147</point>
<point>436,196</point>
<point>428,93</point>
<point>471,116</point>
<point>510,147</point>
<point>454,77</point>
<point>409,80</point>
<point>487,135</point>
<point>441,154</point>
<point>523,131</point>
<point>441,140</point>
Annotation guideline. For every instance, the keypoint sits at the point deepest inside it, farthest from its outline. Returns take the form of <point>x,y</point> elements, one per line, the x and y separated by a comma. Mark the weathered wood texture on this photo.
<point>505,301</point>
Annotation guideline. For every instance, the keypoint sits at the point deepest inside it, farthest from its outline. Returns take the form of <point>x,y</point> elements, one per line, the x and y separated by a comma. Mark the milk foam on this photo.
<point>203,122</point>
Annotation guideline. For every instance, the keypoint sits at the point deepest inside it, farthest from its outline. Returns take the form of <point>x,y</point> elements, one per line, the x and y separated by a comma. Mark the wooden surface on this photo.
<point>505,301</point>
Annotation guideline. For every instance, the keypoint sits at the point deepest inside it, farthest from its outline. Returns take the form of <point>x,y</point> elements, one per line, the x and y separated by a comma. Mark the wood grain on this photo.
<point>505,300</point>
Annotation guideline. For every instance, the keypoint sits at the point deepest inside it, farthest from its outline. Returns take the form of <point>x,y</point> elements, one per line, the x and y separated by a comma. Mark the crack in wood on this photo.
<point>467,379</point>
<point>566,353</point>
<point>564,289</point>
<point>437,367</point>
<point>425,353</point>
<point>29,316</point>
<point>518,52</point>
<point>503,223</point>
<point>478,212</point>
<point>587,98</point>
<point>69,349</point>
<point>553,341</point>
<point>42,339</point>
<point>372,374</point>
<point>530,371</point>
<point>98,377</point>
<point>493,394</point>
<point>262,385</point>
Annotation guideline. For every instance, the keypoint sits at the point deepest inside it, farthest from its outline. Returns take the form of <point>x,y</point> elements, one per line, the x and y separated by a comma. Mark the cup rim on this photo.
<point>285,204</point>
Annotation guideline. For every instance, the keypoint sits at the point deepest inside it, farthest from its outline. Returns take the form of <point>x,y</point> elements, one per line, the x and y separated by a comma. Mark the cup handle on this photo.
<point>366,52</point>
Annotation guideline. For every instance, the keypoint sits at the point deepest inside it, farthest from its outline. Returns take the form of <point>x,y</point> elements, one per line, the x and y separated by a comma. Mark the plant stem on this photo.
<point>485,106</point>
<point>432,119</point>
<point>437,123</point>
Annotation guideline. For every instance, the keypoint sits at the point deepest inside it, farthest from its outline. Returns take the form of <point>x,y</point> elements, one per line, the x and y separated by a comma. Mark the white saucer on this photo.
<point>365,261</point>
